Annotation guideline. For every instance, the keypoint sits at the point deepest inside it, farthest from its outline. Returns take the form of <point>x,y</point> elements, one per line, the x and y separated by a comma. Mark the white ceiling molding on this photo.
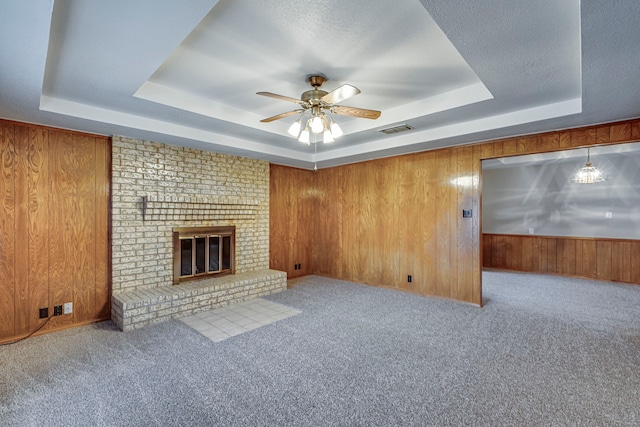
<point>513,118</point>
<point>89,112</point>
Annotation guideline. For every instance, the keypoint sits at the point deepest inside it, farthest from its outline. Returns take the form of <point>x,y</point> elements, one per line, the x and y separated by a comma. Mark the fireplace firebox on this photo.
<point>203,251</point>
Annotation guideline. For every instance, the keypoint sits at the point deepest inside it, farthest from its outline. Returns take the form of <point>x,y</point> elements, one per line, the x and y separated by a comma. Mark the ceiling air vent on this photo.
<point>396,129</point>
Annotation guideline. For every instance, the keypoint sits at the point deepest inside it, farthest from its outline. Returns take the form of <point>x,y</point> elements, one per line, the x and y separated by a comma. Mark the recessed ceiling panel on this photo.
<point>393,52</point>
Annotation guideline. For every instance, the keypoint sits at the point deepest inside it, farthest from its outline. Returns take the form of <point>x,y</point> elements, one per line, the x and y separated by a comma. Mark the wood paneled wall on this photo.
<point>379,221</point>
<point>291,220</point>
<point>383,220</point>
<point>596,258</point>
<point>54,227</point>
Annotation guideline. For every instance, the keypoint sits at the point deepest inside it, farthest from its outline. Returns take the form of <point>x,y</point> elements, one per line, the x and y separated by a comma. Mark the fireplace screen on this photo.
<point>200,251</point>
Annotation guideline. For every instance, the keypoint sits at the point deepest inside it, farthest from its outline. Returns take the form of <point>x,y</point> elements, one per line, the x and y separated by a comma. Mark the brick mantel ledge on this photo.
<point>173,207</point>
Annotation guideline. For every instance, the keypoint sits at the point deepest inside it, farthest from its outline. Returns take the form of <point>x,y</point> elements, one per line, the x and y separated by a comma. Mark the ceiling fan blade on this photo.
<point>282,97</point>
<point>340,94</point>
<point>355,112</point>
<point>281,116</point>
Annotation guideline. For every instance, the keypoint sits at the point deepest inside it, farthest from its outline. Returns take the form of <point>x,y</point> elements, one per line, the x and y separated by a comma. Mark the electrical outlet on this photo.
<point>44,313</point>
<point>409,278</point>
<point>531,231</point>
<point>466,213</point>
<point>608,214</point>
<point>57,310</point>
<point>67,308</point>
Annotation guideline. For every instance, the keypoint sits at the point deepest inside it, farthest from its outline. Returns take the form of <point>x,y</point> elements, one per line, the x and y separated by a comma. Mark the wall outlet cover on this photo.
<point>67,308</point>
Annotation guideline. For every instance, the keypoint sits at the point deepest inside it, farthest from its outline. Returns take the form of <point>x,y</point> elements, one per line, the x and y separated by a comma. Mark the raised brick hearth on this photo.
<point>135,309</point>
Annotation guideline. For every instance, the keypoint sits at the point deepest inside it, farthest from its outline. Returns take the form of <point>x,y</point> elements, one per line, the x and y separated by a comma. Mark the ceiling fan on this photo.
<point>316,103</point>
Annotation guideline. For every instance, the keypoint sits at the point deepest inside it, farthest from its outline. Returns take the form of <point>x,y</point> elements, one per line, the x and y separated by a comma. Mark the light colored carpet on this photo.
<point>543,351</point>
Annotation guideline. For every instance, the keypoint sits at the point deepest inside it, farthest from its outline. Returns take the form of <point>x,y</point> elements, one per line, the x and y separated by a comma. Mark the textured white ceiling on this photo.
<point>186,73</point>
<point>217,70</point>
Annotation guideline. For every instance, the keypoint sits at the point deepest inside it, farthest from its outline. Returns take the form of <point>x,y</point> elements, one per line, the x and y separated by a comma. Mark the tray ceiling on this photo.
<point>455,72</point>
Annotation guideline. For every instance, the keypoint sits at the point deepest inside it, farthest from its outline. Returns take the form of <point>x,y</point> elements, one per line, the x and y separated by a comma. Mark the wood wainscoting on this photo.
<point>594,258</point>
<point>54,228</point>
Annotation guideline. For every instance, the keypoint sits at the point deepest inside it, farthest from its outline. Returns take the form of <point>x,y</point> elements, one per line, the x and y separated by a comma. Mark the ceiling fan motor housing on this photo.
<point>313,95</point>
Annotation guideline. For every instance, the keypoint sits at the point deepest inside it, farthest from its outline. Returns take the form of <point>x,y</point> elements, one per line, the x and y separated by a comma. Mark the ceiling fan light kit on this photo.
<point>316,106</point>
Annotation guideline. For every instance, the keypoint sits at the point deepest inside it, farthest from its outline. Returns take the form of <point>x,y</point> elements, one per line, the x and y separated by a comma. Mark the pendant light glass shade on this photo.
<point>327,138</point>
<point>304,136</point>
<point>294,129</point>
<point>336,131</point>
<point>317,125</point>
<point>588,174</point>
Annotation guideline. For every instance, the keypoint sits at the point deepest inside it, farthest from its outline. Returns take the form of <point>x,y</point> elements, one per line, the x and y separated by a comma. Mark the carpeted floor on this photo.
<point>543,351</point>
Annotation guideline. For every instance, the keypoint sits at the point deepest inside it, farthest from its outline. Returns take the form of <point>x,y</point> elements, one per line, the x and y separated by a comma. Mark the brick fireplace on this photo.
<point>158,188</point>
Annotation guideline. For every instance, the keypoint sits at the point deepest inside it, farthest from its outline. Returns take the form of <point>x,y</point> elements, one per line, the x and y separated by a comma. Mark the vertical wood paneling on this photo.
<point>103,228</point>
<point>514,253</point>
<point>579,263</point>
<point>603,254</point>
<point>500,252</point>
<point>527,254</point>
<point>566,250</point>
<point>487,250</point>
<point>621,261</point>
<point>62,259</point>
<point>291,204</point>
<point>22,301</point>
<point>583,136</point>
<point>38,232</point>
<point>409,205</point>
<point>465,243</point>
<point>598,258</point>
<point>603,135</point>
<point>536,255</point>
<point>486,150</point>
<point>7,231</point>
<point>635,265</point>
<point>50,181</point>
<point>552,256</point>
<point>589,258</point>
<point>564,138</point>
<point>427,274</point>
<point>84,229</point>
<point>443,220</point>
<point>544,247</point>
<point>620,132</point>
<point>509,147</point>
<point>476,194</point>
<point>550,142</point>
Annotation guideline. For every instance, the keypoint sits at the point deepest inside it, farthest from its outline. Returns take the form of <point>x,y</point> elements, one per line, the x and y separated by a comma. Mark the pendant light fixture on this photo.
<point>588,174</point>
